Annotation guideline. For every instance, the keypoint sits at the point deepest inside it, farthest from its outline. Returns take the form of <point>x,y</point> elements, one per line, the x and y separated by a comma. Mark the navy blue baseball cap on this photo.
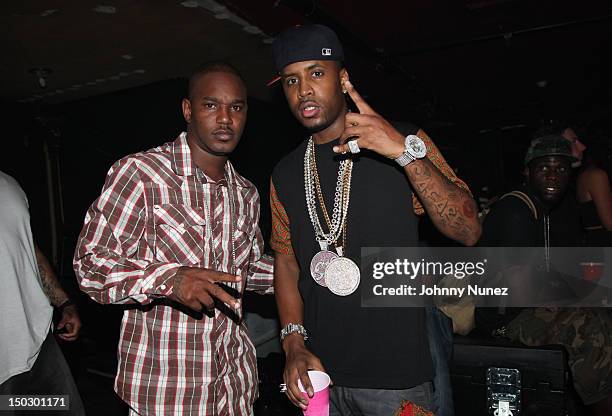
<point>306,43</point>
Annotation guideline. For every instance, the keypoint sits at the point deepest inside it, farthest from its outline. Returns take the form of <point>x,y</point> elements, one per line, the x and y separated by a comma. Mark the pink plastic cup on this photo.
<point>318,405</point>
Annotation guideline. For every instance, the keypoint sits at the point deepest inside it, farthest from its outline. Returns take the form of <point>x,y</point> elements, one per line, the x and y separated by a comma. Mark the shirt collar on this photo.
<point>183,164</point>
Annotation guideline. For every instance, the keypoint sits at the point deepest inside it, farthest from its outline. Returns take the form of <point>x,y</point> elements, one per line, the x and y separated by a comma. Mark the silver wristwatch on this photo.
<point>415,149</point>
<point>293,328</point>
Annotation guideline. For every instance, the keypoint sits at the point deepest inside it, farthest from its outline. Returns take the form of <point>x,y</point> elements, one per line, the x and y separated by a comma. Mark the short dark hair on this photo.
<point>209,67</point>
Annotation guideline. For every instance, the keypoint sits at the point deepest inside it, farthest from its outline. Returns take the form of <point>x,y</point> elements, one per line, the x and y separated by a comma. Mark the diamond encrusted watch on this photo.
<point>415,149</point>
<point>293,328</point>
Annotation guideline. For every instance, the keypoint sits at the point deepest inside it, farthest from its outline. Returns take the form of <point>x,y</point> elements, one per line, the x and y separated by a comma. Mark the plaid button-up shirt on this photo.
<point>155,214</point>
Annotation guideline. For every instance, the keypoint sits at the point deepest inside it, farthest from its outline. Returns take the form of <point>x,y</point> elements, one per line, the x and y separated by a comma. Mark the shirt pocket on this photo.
<point>179,233</point>
<point>243,238</point>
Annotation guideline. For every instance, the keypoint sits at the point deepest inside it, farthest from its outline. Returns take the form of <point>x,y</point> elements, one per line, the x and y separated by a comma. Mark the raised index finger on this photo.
<point>362,106</point>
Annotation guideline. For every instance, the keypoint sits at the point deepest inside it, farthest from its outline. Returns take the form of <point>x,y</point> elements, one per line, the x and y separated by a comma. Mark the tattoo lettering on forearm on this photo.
<point>457,221</point>
<point>423,171</point>
<point>451,215</point>
<point>440,203</point>
<point>421,188</point>
<point>449,207</point>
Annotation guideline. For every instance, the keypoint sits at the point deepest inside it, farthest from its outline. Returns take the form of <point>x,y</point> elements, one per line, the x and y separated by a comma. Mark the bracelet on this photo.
<point>65,304</point>
<point>292,328</point>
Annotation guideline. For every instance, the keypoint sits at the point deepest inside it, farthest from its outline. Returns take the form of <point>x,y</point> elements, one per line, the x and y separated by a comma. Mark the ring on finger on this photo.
<point>354,146</point>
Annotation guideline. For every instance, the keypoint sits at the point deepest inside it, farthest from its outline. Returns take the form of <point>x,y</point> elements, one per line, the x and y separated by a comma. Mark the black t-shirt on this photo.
<point>359,347</point>
<point>512,224</point>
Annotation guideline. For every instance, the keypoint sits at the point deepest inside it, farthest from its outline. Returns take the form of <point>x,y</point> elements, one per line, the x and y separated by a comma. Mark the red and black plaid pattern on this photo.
<point>158,212</point>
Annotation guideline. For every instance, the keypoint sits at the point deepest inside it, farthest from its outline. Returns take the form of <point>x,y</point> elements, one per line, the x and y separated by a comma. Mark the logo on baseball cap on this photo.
<point>305,43</point>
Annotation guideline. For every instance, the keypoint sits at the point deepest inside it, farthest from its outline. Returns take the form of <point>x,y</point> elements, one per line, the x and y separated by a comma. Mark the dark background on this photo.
<point>477,75</point>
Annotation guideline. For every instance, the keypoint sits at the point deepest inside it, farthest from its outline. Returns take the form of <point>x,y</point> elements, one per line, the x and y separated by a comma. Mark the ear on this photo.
<point>186,104</point>
<point>343,74</point>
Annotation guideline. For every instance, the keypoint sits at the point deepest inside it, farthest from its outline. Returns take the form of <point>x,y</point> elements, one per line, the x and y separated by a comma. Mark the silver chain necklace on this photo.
<point>209,213</point>
<point>338,273</point>
<point>341,203</point>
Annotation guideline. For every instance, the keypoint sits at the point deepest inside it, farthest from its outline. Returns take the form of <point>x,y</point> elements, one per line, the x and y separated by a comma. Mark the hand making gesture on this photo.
<point>369,130</point>
<point>197,288</point>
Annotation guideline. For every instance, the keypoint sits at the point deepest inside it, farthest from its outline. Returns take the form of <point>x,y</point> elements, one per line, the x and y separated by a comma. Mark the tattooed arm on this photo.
<point>51,285</point>
<point>70,323</point>
<point>451,208</point>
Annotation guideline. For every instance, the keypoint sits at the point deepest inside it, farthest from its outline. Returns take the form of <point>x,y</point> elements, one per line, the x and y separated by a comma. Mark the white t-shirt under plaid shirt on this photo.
<point>158,212</point>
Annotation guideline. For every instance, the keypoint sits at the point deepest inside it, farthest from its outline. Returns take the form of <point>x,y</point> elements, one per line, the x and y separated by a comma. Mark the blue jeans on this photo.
<point>349,401</point>
<point>440,337</point>
<point>437,397</point>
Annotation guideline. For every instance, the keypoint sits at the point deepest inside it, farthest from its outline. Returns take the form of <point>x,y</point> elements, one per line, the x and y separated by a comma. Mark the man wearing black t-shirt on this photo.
<point>519,220</point>
<point>534,217</point>
<point>376,357</point>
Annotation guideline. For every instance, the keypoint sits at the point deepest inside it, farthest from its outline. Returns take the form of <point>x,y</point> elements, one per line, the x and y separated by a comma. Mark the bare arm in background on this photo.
<point>57,296</point>
<point>596,184</point>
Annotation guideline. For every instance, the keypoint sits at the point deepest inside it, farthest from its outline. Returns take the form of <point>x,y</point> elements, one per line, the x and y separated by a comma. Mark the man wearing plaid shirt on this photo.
<point>175,231</point>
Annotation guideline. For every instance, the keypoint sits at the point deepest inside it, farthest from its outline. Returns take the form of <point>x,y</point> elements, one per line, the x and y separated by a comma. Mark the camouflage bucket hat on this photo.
<point>551,145</point>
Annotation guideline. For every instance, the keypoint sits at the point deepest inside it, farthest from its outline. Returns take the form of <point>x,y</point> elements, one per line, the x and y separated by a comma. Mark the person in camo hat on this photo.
<point>549,145</point>
<point>528,217</point>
